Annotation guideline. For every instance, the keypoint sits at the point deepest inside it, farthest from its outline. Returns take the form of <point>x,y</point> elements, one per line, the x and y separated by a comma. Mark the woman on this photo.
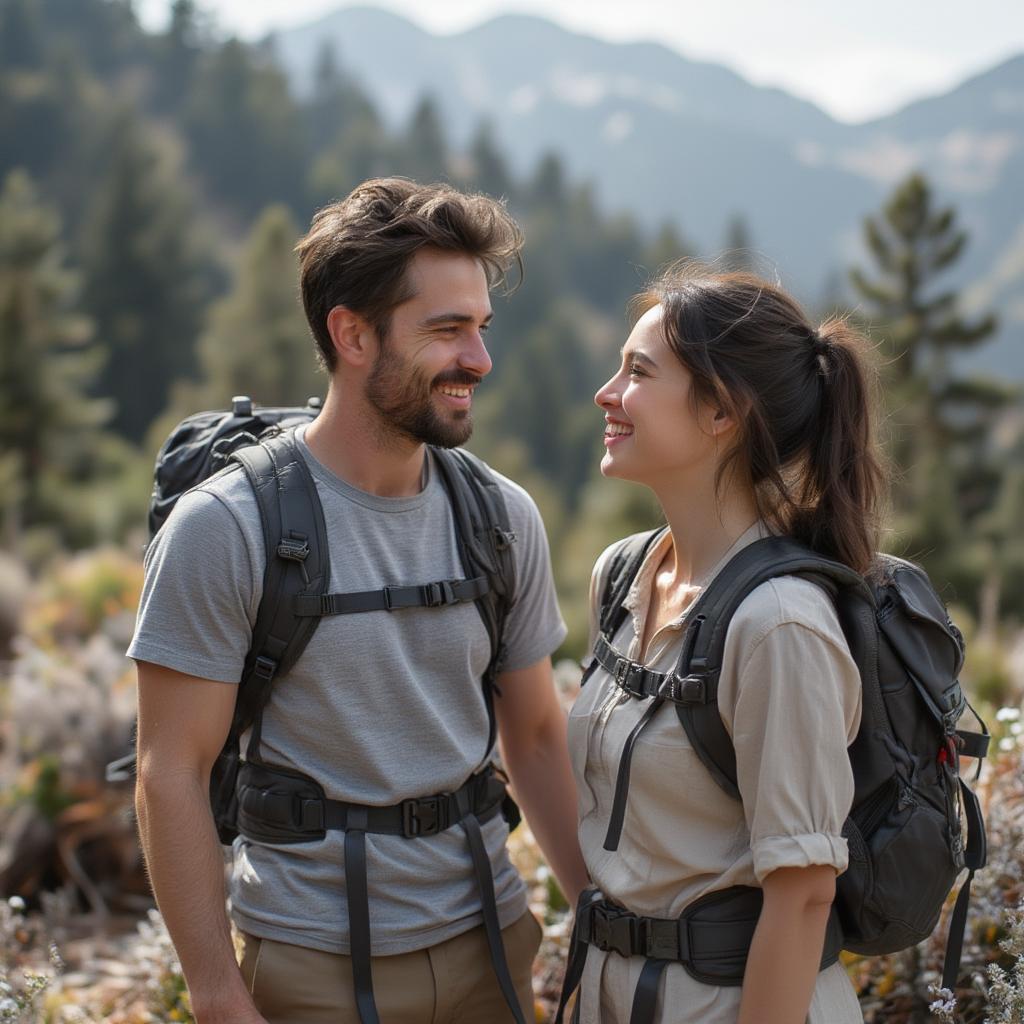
<point>746,422</point>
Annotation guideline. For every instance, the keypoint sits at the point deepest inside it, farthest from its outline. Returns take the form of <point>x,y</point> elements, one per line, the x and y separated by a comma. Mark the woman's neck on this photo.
<point>704,525</point>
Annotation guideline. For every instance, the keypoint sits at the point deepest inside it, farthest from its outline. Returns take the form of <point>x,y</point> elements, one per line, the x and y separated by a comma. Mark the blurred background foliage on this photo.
<point>152,187</point>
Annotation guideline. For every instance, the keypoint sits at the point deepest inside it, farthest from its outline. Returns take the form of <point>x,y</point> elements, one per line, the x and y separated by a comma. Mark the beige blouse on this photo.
<point>790,697</point>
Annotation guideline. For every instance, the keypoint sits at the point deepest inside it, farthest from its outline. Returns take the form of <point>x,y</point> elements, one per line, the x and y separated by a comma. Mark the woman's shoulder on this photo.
<point>786,601</point>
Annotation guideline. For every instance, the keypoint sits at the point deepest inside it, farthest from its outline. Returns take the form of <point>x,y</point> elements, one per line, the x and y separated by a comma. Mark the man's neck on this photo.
<point>343,439</point>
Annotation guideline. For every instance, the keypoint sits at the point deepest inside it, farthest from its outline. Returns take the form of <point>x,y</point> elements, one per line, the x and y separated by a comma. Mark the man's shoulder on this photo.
<point>520,504</point>
<point>222,502</point>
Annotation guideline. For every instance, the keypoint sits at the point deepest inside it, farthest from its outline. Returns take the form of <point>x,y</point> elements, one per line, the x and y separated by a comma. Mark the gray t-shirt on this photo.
<point>380,707</point>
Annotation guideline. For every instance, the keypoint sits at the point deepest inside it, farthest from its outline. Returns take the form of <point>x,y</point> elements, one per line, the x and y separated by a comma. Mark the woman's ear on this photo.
<point>355,342</point>
<point>726,413</point>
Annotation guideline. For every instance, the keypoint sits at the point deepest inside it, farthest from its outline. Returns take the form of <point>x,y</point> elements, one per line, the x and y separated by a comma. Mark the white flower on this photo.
<point>1007,714</point>
<point>17,904</point>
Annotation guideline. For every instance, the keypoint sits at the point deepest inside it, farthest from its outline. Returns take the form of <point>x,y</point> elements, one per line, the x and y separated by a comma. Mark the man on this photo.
<point>381,707</point>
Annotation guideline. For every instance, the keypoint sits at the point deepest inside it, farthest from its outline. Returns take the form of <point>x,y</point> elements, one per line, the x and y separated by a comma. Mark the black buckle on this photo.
<point>293,549</point>
<point>616,931</point>
<point>684,689</point>
<point>504,539</point>
<point>424,817</point>
<point>435,595</point>
<point>264,668</point>
<point>623,670</point>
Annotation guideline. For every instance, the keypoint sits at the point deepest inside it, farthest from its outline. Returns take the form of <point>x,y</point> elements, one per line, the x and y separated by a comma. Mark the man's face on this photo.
<point>423,379</point>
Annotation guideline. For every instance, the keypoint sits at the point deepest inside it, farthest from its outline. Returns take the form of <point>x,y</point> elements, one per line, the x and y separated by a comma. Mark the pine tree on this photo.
<point>347,140</point>
<point>147,277</point>
<point>739,246</point>
<point>257,341</point>
<point>177,53</point>
<point>247,137</point>
<point>489,171</point>
<point>47,359</point>
<point>941,422</point>
<point>21,43</point>
<point>424,152</point>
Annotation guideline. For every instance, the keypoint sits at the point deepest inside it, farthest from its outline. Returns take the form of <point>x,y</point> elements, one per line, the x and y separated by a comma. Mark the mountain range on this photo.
<point>665,137</point>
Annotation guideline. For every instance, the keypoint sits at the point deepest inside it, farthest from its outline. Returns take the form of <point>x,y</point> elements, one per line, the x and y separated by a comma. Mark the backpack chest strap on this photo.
<point>641,682</point>
<point>438,594</point>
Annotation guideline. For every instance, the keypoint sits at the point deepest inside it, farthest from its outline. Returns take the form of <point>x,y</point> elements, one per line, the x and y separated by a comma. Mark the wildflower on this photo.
<point>944,1005</point>
<point>1008,714</point>
<point>17,904</point>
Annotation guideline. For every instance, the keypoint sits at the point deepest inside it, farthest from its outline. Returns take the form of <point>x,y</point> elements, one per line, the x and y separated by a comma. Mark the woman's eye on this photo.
<point>635,371</point>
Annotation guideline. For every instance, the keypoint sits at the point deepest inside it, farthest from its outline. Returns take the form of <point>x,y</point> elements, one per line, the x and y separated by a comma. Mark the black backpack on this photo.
<point>297,574</point>
<point>904,831</point>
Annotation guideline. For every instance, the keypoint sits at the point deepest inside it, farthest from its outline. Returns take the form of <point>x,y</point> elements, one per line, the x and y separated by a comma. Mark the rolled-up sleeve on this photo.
<point>795,709</point>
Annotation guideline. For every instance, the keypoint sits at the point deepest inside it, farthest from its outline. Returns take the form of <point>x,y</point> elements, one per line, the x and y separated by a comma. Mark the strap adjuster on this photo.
<point>435,595</point>
<point>293,549</point>
<point>263,668</point>
<point>685,689</point>
<point>424,817</point>
<point>623,670</point>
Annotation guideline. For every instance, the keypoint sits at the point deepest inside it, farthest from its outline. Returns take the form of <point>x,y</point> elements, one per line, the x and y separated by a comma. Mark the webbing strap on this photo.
<point>645,998</point>
<point>438,594</point>
<point>975,857</point>
<point>577,960</point>
<point>634,677</point>
<point>358,898</point>
<point>618,815</point>
<point>492,926</point>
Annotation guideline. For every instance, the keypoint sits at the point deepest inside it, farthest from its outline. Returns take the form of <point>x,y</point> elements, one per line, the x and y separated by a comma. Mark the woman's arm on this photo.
<point>786,952</point>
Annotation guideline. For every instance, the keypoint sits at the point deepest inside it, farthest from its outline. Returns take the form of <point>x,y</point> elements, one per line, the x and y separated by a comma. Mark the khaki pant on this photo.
<point>450,983</point>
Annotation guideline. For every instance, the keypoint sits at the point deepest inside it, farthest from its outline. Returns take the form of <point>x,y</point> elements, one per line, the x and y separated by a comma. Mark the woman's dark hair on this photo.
<point>803,399</point>
<point>357,250</point>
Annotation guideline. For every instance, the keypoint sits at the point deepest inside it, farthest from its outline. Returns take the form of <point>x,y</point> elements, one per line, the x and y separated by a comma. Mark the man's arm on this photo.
<point>532,730</point>
<point>183,722</point>
<point>786,952</point>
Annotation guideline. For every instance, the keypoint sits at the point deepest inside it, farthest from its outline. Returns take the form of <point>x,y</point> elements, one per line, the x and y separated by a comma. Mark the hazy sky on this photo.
<point>856,60</point>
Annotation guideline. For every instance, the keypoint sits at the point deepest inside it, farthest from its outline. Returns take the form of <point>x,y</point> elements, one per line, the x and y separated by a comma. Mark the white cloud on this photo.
<point>618,128</point>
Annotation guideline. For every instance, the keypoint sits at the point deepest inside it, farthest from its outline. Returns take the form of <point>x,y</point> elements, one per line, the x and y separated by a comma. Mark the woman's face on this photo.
<point>652,432</point>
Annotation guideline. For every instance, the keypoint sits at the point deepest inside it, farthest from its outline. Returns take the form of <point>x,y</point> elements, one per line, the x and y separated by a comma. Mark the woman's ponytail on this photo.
<point>804,400</point>
<point>838,513</point>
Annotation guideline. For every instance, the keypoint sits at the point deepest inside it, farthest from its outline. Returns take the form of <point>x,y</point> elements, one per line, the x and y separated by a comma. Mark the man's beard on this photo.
<point>404,399</point>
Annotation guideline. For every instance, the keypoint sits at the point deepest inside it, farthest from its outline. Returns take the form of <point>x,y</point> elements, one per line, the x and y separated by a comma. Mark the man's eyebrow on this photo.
<point>454,318</point>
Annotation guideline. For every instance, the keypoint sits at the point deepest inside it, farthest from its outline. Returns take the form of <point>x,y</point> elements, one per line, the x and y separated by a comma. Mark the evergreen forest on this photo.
<point>153,185</point>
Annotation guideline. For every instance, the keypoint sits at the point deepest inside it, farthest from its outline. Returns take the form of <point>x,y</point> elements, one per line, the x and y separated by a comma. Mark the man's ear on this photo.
<point>354,340</point>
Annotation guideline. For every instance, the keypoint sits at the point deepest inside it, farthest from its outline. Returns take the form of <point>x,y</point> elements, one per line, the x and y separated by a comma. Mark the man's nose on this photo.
<point>474,355</point>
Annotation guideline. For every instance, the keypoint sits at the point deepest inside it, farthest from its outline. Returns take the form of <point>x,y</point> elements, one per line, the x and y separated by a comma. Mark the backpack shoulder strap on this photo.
<point>297,563</point>
<point>622,570</point>
<point>484,537</point>
<point>695,689</point>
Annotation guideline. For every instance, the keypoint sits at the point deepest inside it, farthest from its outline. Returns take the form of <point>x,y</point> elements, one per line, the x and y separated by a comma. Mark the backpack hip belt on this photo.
<point>710,939</point>
<point>277,805</point>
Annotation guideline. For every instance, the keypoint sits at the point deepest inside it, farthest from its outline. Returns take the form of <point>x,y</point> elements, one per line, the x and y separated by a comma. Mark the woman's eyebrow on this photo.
<point>637,356</point>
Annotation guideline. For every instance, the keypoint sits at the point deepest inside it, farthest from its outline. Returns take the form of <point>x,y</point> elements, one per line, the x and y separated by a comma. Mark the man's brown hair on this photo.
<point>357,250</point>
